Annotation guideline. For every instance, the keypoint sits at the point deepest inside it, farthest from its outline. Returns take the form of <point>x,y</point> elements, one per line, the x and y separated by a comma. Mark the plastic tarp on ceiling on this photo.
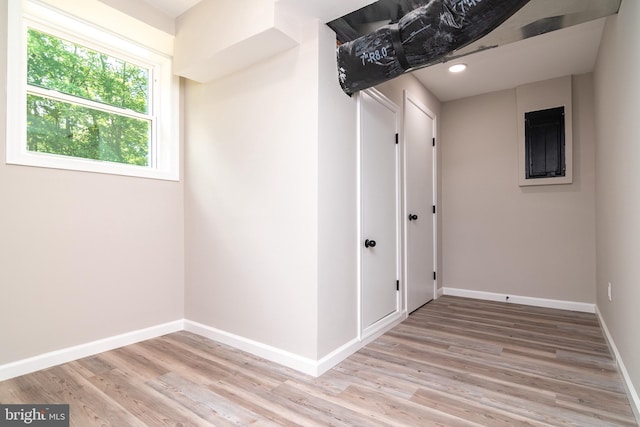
<point>420,38</point>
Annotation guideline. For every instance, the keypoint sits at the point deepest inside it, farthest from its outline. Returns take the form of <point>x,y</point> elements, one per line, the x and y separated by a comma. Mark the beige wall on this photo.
<point>270,202</point>
<point>617,95</point>
<point>499,237</point>
<point>251,203</point>
<point>83,256</point>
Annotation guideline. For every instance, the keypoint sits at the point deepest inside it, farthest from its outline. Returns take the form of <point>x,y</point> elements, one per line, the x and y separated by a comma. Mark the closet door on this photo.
<point>420,203</point>
<point>379,190</point>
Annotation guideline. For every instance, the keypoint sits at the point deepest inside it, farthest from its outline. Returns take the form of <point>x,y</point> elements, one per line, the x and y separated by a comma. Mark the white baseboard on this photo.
<point>439,292</point>
<point>337,356</point>
<point>291,360</point>
<point>381,326</point>
<point>299,363</point>
<point>346,350</point>
<point>516,299</point>
<point>274,354</point>
<point>634,400</point>
<point>53,358</point>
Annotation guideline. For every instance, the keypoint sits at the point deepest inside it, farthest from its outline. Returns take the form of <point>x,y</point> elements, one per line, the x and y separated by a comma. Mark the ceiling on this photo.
<point>173,8</point>
<point>570,50</point>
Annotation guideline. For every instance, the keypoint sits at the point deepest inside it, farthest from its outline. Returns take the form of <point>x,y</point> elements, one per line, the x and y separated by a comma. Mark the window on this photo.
<point>86,99</point>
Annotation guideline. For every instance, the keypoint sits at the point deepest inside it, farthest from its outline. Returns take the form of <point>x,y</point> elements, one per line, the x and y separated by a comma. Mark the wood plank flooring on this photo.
<point>454,362</point>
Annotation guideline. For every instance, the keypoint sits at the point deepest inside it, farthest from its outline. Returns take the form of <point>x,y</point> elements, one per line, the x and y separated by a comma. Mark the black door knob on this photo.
<point>369,243</point>
<point>413,217</point>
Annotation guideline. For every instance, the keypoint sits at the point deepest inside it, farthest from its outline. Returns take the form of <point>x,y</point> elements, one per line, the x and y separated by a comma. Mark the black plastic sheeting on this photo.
<point>422,37</point>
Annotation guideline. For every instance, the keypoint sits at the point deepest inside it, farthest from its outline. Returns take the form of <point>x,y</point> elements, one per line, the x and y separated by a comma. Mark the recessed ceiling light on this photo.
<point>458,68</point>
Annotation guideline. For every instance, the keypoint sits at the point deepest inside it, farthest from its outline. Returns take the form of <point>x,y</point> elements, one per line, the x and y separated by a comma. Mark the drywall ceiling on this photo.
<point>325,10</point>
<point>570,50</point>
<point>173,8</point>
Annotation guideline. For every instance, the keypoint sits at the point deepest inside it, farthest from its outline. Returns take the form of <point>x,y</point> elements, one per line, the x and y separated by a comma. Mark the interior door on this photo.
<point>379,207</point>
<point>419,203</point>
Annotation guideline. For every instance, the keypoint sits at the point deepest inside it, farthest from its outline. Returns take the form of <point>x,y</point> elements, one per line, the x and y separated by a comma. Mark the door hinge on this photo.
<point>397,138</point>
<point>434,208</point>
<point>433,141</point>
<point>397,285</point>
<point>434,275</point>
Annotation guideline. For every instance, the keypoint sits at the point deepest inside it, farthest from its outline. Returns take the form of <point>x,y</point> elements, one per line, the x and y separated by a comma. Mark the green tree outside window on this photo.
<point>87,104</point>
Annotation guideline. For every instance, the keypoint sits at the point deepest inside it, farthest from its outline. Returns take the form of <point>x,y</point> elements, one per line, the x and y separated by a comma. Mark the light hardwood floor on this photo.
<point>454,362</point>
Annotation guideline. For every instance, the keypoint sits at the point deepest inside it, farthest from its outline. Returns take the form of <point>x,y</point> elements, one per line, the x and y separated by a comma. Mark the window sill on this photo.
<point>87,165</point>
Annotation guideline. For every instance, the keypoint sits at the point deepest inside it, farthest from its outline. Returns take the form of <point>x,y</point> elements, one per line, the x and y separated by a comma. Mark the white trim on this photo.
<point>382,325</point>
<point>347,349</point>
<point>274,354</point>
<point>87,103</point>
<point>103,16</point>
<point>358,241</point>
<point>363,330</point>
<point>439,292</point>
<point>164,111</point>
<point>337,356</point>
<point>436,216</point>
<point>58,357</point>
<point>409,98</point>
<point>517,299</point>
<point>632,394</point>
<point>291,360</point>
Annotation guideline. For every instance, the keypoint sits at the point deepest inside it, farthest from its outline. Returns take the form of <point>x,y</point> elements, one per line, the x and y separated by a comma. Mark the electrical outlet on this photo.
<point>609,291</point>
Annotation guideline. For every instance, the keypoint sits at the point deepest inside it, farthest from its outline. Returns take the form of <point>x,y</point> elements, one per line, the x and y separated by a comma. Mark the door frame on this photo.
<point>408,97</point>
<point>372,331</point>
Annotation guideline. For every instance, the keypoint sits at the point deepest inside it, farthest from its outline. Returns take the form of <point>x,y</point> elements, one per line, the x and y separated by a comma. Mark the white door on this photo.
<point>419,202</point>
<point>379,188</point>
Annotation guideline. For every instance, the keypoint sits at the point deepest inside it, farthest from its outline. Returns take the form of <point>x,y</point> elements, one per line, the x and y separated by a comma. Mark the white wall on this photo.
<point>83,256</point>
<point>499,237</point>
<point>142,11</point>
<point>263,181</point>
<point>217,39</point>
<point>617,95</point>
<point>337,205</point>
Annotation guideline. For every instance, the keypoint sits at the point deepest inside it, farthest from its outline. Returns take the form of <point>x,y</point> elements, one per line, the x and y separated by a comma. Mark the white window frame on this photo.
<point>149,50</point>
